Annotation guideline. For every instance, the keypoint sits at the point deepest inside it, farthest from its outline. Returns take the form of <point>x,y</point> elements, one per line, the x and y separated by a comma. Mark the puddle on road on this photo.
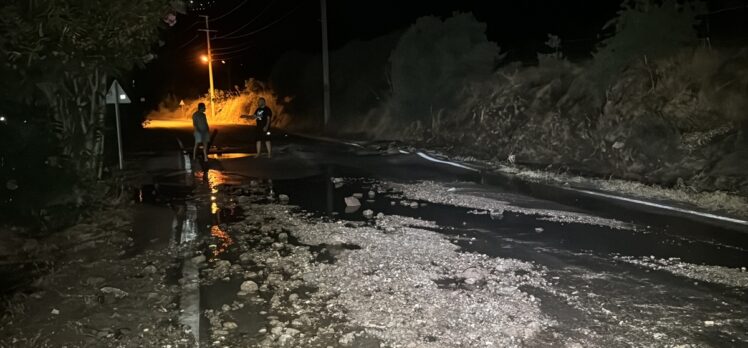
<point>572,252</point>
<point>221,293</point>
<point>495,237</point>
<point>513,235</point>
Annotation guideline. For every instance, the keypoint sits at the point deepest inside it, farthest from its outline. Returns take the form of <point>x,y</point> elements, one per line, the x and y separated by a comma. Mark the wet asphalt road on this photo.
<point>606,283</point>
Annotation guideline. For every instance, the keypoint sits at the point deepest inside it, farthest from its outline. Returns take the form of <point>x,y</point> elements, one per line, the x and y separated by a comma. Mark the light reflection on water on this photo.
<point>224,240</point>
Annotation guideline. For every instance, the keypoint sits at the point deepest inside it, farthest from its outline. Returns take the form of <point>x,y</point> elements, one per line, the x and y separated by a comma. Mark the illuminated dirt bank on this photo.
<point>229,106</point>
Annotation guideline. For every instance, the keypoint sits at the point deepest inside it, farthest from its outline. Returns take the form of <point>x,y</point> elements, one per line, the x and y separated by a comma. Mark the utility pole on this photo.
<point>325,65</point>
<point>210,67</point>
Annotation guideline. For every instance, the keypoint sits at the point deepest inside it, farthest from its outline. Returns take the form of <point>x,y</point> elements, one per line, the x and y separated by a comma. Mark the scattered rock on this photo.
<point>709,323</point>
<point>539,230</point>
<point>380,216</point>
<point>283,237</point>
<point>472,276</point>
<point>618,145</point>
<point>220,333</point>
<point>358,195</point>
<point>199,259</point>
<point>368,213</point>
<point>150,269</point>
<point>293,297</point>
<point>117,293</point>
<point>245,257</point>
<point>249,287</point>
<point>55,311</point>
<point>372,194</point>
<point>347,339</point>
<point>414,205</point>
<point>276,330</point>
<point>352,202</point>
<point>292,332</point>
<point>497,214</point>
<point>283,198</point>
<point>285,340</point>
<point>309,277</point>
<point>230,325</point>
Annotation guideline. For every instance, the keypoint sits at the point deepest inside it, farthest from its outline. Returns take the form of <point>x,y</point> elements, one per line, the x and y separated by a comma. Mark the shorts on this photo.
<point>202,137</point>
<point>261,135</point>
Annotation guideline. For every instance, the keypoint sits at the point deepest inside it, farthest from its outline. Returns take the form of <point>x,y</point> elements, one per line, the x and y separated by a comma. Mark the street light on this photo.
<point>207,59</point>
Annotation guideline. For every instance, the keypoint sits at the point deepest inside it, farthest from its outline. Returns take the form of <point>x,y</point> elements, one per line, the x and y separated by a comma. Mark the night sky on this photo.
<point>253,34</point>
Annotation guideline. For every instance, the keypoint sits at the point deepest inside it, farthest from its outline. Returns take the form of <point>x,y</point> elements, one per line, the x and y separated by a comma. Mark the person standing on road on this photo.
<point>202,131</point>
<point>263,116</point>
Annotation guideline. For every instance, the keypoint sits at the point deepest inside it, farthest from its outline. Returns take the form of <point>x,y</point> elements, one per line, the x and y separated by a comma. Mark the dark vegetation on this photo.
<point>655,104</point>
<point>59,58</point>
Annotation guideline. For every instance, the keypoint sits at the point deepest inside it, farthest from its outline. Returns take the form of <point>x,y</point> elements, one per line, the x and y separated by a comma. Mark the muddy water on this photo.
<point>318,195</point>
<point>579,256</point>
<point>581,260</point>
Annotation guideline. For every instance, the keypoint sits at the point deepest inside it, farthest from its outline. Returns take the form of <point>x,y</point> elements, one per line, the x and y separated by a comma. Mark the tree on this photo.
<point>435,59</point>
<point>646,30</point>
<point>60,55</point>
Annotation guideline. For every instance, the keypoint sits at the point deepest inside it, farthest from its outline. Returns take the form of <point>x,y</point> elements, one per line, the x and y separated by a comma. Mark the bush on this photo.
<point>645,30</point>
<point>436,58</point>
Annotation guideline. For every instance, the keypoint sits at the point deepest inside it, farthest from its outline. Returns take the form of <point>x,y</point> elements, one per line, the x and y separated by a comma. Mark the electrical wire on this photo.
<point>188,42</point>
<point>250,21</point>
<point>230,11</point>
<point>261,29</point>
<point>225,54</point>
<point>231,47</point>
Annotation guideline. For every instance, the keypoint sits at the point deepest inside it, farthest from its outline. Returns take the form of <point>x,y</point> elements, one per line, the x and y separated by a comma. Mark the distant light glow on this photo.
<point>223,62</point>
<point>204,58</point>
<point>3,119</point>
<point>122,96</point>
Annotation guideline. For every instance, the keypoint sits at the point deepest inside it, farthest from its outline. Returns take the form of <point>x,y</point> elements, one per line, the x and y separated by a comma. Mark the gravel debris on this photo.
<point>734,277</point>
<point>438,193</point>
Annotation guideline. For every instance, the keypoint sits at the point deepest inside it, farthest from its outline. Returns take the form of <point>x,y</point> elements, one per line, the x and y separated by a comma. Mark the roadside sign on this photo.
<point>117,95</point>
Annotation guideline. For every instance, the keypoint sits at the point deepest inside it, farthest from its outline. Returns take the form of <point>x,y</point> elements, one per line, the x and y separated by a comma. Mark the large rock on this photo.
<point>473,276</point>
<point>199,259</point>
<point>352,202</point>
<point>249,287</point>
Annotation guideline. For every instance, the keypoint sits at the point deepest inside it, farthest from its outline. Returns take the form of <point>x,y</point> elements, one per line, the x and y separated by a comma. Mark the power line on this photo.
<point>250,21</point>
<point>260,29</point>
<point>231,47</point>
<point>188,42</point>
<point>230,12</point>
<point>224,54</point>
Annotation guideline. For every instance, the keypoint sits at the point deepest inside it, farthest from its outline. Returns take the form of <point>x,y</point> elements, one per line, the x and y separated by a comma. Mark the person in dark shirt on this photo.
<point>263,116</point>
<point>202,131</point>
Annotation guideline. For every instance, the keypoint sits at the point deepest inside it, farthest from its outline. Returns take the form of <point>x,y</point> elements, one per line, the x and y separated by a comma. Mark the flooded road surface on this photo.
<point>587,272</point>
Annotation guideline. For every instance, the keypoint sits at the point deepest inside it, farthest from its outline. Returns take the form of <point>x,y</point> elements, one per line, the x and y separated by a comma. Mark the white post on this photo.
<point>119,133</point>
<point>325,65</point>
